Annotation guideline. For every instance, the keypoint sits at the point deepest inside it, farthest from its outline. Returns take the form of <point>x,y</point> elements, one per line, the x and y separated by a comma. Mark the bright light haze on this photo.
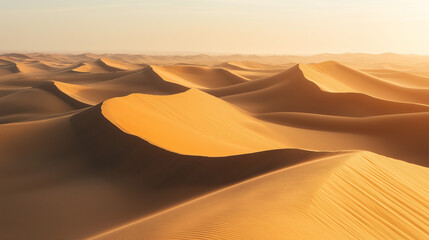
<point>215,26</point>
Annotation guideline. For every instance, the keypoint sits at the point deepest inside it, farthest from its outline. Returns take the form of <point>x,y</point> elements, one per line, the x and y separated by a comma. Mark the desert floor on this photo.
<point>115,146</point>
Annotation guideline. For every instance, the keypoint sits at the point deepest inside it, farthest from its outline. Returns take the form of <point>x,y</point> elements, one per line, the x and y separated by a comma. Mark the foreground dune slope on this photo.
<point>353,196</point>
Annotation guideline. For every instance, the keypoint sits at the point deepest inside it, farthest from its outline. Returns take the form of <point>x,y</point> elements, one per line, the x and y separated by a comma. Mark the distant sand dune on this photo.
<point>334,77</point>
<point>16,107</point>
<point>141,81</point>
<point>198,76</point>
<point>291,91</point>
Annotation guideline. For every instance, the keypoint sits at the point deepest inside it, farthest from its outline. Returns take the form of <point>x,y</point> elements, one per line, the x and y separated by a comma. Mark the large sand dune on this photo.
<point>116,146</point>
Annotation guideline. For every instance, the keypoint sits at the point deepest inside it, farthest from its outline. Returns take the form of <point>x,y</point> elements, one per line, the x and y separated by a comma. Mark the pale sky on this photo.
<point>215,26</point>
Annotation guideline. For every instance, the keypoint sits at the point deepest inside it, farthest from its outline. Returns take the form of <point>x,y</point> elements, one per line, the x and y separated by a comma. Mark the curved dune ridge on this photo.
<point>116,146</point>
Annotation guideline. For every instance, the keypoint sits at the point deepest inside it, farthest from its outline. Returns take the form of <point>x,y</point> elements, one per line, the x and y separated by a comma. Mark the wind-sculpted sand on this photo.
<point>119,146</point>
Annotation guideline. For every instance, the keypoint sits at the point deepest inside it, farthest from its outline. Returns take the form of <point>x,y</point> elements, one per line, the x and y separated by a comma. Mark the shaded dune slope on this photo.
<point>7,67</point>
<point>401,136</point>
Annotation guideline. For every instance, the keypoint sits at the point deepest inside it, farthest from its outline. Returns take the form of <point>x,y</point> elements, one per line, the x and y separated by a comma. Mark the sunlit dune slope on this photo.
<point>192,123</point>
<point>354,196</point>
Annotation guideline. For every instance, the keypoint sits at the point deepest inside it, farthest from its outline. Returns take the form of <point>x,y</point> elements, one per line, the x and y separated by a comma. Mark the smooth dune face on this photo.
<point>116,146</point>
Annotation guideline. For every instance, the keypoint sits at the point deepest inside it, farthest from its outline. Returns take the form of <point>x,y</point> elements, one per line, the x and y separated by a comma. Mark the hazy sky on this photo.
<point>215,26</point>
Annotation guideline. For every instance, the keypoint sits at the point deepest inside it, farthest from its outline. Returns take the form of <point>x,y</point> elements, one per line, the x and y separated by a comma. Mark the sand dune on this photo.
<point>95,166</point>
<point>393,139</point>
<point>401,78</point>
<point>115,65</point>
<point>254,70</point>
<point>103,65</point>
<point>23,64</point>
<point>141,81</point>
<point>291,91</point>
<point>198,76</point>
<point>17,107</point>
<point>190,123</point>
<point>117,146</point>
<point>334,77</point>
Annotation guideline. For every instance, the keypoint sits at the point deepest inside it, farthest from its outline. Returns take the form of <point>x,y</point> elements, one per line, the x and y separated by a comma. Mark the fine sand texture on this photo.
<point>117,146</point>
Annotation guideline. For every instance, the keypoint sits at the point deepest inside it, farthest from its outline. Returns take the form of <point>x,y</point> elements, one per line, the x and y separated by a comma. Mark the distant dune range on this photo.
<point>119,146</point>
